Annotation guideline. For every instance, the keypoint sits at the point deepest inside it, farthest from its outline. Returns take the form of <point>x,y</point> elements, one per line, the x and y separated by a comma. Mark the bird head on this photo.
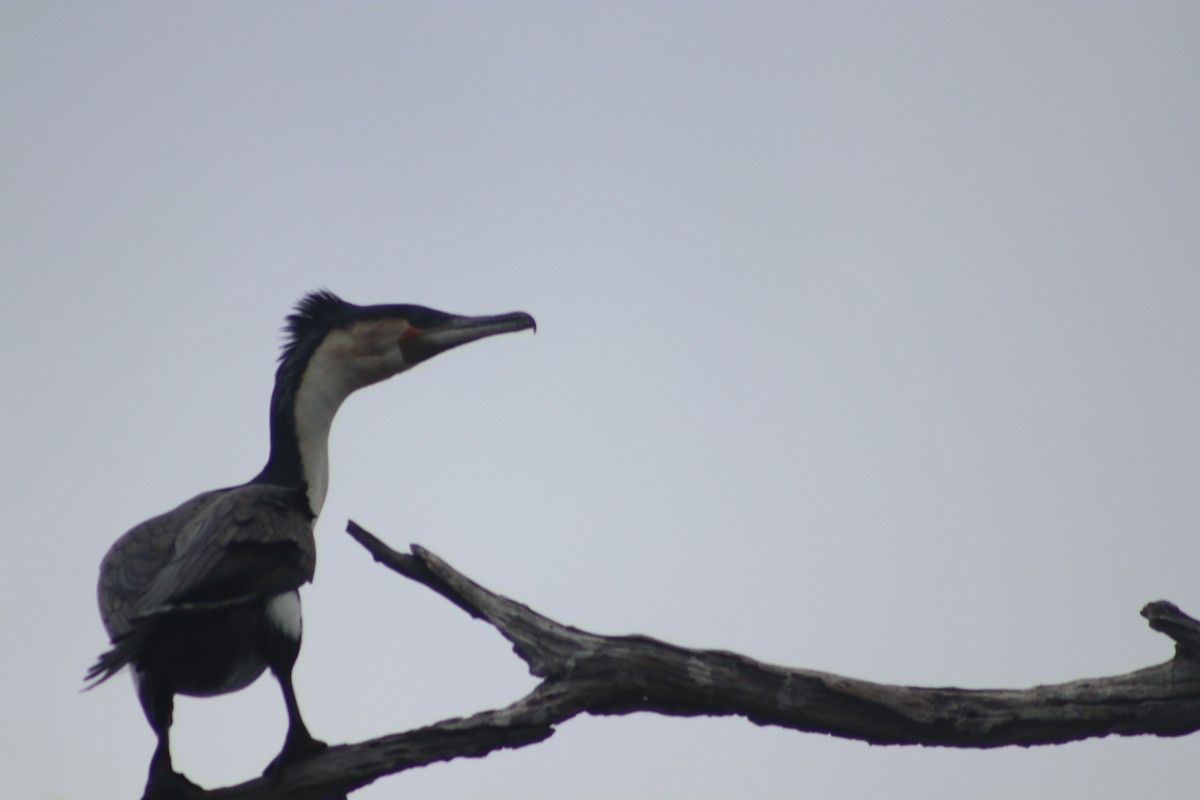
<point>345,347</point>
<point>335,348</point>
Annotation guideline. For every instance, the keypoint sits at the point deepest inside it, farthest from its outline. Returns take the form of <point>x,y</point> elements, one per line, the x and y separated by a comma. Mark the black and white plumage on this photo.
<point>203,599</point>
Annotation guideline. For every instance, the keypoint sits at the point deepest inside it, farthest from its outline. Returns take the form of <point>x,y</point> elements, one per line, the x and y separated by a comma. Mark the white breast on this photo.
<point>283,611</point>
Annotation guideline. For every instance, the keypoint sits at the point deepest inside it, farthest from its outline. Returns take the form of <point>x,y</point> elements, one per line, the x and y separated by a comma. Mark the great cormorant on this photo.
<point>203,599</point>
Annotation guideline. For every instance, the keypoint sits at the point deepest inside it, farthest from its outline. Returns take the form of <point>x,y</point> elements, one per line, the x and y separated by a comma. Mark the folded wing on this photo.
<point>219,549</point>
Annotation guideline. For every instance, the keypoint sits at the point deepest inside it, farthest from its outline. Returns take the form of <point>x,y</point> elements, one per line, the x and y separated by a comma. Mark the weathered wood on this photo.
<point>1167,618</point>
<point>584,672</point>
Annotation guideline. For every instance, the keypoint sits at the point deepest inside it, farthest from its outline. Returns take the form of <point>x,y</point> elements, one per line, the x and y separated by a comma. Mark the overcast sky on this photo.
<point>868,343</point>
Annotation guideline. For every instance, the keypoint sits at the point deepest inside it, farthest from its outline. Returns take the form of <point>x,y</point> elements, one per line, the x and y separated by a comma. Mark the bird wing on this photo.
<point>251,541</point>
<point>218,548</point>
<point>136,558</point>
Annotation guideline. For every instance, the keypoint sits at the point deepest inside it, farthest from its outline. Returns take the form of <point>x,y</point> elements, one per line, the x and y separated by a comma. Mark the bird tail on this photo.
<point>113,660</point>
<point>129,645</point>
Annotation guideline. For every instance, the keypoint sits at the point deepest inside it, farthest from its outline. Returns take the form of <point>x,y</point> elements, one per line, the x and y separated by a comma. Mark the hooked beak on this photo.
<point>422,344</point>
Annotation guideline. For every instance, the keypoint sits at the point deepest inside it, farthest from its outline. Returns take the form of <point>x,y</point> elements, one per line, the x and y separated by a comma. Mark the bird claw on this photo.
<point>294,751</point>
<point>171,785</point>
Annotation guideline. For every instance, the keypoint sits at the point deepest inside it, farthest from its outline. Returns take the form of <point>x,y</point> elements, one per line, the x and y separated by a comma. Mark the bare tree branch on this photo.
<point>584,672</point>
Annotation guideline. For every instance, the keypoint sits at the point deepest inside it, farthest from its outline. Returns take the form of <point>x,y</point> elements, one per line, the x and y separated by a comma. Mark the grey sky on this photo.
<point>868,343</point>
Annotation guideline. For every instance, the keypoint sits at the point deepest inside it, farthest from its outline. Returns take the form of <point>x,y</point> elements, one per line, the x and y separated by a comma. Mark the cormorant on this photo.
<point>203,599</point>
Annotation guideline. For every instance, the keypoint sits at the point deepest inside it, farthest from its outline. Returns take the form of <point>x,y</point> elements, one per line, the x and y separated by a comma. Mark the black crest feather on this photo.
<point>316,312</point>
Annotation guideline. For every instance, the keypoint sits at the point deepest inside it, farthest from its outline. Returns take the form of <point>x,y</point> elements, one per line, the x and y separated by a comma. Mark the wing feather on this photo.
<point>218,549</point>
<point>136,558</point>
<point>252,541</point>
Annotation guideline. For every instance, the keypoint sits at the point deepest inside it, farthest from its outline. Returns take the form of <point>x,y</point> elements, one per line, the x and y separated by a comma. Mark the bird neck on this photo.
<point>302,412</point>
<point>300,450</point>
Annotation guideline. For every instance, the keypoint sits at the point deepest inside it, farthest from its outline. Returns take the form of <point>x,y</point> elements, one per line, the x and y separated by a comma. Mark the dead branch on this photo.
<point>584,672</point>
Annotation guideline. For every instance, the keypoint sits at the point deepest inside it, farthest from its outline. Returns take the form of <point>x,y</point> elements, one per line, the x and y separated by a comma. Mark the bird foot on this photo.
<point>168,784</point>
<point>295,750</point>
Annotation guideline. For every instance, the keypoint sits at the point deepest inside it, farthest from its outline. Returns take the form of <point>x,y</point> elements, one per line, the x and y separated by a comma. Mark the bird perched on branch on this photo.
<point>203,599</point>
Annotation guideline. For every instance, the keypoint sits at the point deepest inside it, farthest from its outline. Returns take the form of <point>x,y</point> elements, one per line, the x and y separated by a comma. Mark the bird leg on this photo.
<point>163,782</point>
<point>299,744</point>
